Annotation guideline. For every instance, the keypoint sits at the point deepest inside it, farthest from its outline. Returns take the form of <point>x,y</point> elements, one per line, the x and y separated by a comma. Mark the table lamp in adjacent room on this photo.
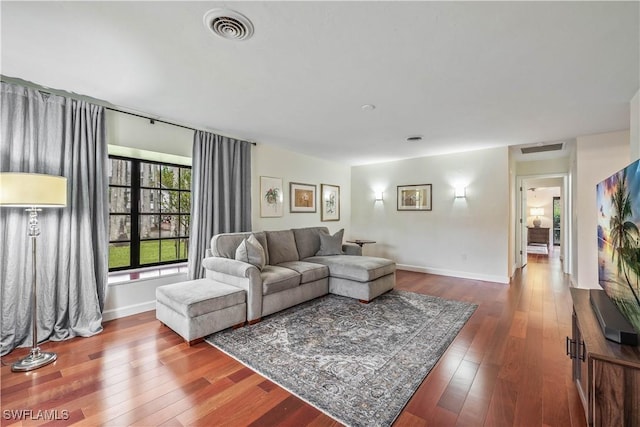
<point>537,212</point>
<point>33,192</point>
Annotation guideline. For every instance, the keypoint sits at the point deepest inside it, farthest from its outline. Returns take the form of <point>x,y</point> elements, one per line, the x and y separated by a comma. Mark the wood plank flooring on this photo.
<point>506,367</point>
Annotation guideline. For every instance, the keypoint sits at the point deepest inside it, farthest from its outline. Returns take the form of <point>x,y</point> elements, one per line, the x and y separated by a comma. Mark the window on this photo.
<point>149,204</point>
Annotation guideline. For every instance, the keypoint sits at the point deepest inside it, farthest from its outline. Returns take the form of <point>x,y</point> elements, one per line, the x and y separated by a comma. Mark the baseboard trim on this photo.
<point>452,273</point>
<point>573,282</point>
<point>128,310</point>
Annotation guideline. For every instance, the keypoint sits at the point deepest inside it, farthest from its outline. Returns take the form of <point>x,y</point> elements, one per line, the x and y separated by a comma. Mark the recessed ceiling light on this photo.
<point>368,107</point>
<point>414,138</point>
<point>228,24</point>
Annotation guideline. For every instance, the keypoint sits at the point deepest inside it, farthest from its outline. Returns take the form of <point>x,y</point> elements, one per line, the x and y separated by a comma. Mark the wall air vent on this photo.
<point>228,24</point>
<point>542,148</point>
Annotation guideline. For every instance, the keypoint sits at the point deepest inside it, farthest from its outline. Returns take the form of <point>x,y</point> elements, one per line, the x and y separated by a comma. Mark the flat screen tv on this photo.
<point>618,199</point>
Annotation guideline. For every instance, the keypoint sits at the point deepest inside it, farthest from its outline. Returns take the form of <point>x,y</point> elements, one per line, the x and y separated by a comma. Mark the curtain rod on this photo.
<point>50,91</point>
<point>152,121</point>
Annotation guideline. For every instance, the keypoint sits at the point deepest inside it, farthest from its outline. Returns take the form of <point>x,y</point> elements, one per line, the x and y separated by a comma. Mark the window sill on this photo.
<point>123,277</point>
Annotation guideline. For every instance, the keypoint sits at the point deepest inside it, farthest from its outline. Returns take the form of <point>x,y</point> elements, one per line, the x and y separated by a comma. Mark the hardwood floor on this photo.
<point>506,367</point>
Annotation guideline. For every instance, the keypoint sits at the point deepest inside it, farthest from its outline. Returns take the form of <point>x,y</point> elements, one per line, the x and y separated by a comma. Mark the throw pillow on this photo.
<point>331,245</point>
<point>251,251</point>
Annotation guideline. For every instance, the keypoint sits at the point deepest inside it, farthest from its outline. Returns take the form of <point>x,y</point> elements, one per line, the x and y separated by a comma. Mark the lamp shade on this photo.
<point>32,190</point>
<point>537,211</point>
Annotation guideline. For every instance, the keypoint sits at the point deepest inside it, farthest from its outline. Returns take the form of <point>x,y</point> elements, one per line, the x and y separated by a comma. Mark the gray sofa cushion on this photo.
<point>197,297</point>
<point>308,240</point>
<point>281,246</point>
<point>310,272</point>
<point>276,279</point>
<point>251,251</point>
<point>331,245</point>
<point>359,268</point>
<point>225,244</point>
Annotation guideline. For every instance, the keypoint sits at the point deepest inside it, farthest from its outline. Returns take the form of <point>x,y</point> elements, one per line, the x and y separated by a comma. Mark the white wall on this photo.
<point>634,108</point>
<point>293,167</point>
<point>513,200</point>
<point>133,136</point>
<point>543,167</point>
<point>125,299</point>
<point>573,178</point>
<point>459,237</point>
<point>597,157</point>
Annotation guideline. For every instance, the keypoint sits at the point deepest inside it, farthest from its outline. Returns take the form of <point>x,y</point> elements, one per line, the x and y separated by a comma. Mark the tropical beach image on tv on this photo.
<point>618,199</point>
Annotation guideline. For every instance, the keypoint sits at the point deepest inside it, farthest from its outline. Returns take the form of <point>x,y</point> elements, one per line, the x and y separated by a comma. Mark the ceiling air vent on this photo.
<point>542,148</point>
<point>228,24</point>
<point>414,138</point>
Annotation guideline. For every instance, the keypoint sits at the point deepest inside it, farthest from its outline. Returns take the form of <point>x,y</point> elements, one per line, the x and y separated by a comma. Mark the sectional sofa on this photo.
<point>294,266</point>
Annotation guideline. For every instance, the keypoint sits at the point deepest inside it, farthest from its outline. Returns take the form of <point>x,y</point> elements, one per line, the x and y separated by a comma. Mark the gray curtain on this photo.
<point>59,136</point>
<point>220,192</point>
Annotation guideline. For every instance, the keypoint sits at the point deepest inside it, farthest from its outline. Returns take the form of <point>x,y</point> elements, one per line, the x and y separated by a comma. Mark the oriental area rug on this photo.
<point>358,363</point>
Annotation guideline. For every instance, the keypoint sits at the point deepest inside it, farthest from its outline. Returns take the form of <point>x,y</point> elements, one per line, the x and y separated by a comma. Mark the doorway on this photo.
<point>548,214</point>
<point>557,214</point>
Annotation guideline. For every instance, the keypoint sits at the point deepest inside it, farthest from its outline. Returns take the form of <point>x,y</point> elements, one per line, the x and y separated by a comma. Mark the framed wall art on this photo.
<point>414,197</point>
<point>271,197</point>
<point>330,202</point>
<point>302,197</point>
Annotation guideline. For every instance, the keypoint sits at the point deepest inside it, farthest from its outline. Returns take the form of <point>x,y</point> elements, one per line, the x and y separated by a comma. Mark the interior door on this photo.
<point>524,237</point>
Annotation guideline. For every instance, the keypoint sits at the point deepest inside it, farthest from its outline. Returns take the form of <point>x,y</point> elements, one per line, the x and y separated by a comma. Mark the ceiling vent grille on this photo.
<point>414,138</point>
<point>542,148</point>
<point>228,24</point>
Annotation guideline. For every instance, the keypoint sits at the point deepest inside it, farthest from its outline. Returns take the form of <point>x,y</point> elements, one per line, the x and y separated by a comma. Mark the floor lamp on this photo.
<point>34,192</point>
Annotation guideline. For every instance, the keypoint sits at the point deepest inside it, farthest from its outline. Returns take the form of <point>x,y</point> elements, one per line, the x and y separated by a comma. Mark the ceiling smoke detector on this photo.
<point>228,24</point>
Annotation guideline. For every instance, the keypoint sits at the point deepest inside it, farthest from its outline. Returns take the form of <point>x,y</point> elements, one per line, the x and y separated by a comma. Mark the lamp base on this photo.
<point>36,359</point>
<point>537,222</point>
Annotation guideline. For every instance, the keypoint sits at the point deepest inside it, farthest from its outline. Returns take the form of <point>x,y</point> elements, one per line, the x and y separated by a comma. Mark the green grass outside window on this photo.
<point>149,252</point>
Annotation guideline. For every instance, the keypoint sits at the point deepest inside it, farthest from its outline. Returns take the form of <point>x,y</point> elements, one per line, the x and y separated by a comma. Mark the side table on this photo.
<point>361,243</point>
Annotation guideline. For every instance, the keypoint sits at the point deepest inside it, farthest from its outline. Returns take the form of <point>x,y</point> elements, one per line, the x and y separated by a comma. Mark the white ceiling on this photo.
<point>465,75</point>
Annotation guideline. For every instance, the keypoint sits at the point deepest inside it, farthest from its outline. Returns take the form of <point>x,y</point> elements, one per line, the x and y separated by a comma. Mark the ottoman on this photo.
<point>197,308</point>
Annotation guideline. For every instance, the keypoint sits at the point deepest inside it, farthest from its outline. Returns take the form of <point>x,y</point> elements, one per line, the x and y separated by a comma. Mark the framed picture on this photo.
<point>330,202</point>
<point>271,197</point>
<point>302,197</point>
<point>414,197</point>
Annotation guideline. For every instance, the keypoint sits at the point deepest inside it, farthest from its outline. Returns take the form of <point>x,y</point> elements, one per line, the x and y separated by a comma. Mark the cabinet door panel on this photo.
<point>615,388</point>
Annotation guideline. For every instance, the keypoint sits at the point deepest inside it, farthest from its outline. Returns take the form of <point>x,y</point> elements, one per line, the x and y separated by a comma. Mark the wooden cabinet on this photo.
<point>538,235</point>
<point>606,374</point>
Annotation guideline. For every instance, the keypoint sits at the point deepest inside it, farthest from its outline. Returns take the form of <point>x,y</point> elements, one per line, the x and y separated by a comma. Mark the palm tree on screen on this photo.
<point>624,233</point>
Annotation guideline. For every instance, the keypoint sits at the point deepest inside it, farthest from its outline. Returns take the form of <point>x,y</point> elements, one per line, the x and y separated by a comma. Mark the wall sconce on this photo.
<point>378,195</point>
<point>461,192</point>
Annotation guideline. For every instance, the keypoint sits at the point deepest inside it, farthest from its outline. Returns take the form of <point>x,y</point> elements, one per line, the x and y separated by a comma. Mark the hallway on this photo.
<point>508,365</point>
